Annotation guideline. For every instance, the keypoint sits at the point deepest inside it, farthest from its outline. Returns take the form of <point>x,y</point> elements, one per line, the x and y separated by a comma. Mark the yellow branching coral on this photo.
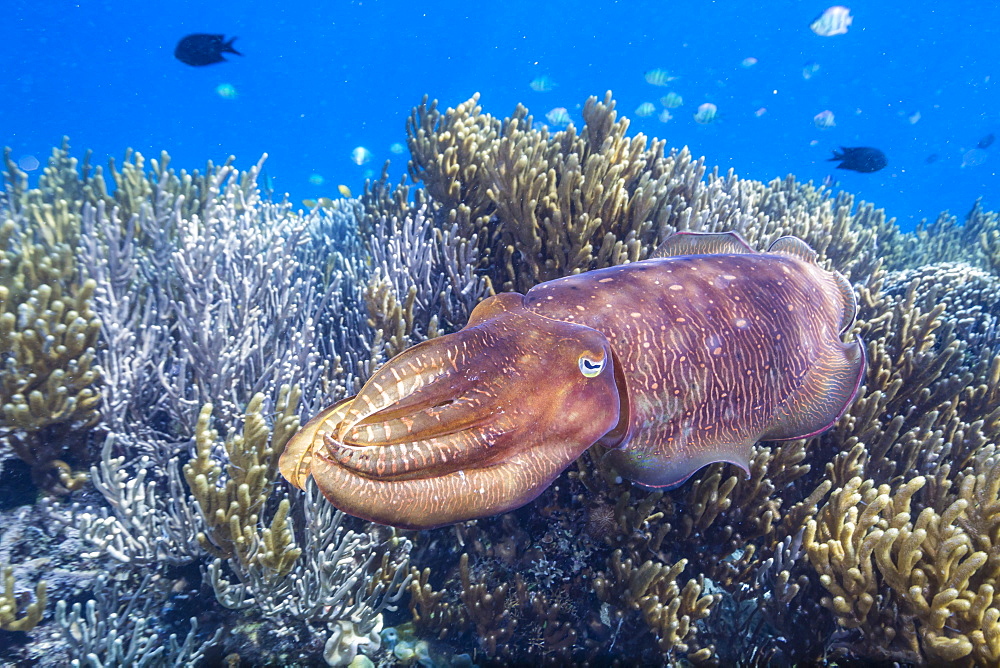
<point>748,507</point>
<point>386,315</point>
<point>48,329</point>
<point>564,202</point>
<point>542,205</point>
<point>428,609</point>
<point>446,152</point>
<point>137,185</point>
<point>668,609</point>
<point>925,585</point>
<point>50,340</point>
<point>916,582</point>
<point>232,502</point>
<point>975,241</point>
<point>841,550</point>
<point>30,615</point>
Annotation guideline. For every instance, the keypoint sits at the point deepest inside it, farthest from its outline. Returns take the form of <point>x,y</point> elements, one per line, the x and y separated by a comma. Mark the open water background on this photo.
<point>321,78</point>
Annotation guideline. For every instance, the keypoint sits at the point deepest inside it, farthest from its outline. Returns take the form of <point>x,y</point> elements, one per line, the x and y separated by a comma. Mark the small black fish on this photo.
<point>932,158</point>
<point>860,159</point>
<point>986,141</point>
<point>200,49</point>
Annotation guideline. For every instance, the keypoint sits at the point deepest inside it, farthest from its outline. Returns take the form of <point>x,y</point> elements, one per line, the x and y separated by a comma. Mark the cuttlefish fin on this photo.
<point>491,307</point>
<point>669,472</point>
<point>295,462</point>
<point>795,247</point>
<point>703,243</point>
<point>833,381</point>
<point>824,395</point>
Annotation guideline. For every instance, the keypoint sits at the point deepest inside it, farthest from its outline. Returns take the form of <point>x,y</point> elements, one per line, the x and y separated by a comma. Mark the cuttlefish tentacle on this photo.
<point>393,385</point>
<point>295,462</point>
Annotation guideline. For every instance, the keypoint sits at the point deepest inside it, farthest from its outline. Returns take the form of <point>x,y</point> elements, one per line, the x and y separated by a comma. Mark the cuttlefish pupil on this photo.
<point>591,368</point>
<point>672,363</point>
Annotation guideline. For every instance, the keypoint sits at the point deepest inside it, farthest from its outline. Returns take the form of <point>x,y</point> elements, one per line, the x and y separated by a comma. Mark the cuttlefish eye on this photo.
<point>591,367</point>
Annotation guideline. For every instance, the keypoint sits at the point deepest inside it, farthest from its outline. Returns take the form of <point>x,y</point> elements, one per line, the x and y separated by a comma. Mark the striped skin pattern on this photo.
<point>673,363</point>
<point>744,346</point>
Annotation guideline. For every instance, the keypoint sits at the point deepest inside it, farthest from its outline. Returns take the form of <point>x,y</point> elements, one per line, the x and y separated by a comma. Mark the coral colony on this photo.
<point>163,342</point>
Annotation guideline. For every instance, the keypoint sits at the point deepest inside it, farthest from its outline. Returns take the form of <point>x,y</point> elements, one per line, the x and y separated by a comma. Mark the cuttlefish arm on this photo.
<point>470,424</point>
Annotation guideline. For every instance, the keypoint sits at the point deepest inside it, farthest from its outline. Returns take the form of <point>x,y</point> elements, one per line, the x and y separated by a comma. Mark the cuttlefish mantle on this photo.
<point>673,363</point>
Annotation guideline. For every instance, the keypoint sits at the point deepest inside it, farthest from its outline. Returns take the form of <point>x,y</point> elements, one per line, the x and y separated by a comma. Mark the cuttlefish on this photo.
<point>672,363</point>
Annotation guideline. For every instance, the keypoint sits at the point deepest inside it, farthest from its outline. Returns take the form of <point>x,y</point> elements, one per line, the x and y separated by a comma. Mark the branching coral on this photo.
<point>13,615</point>
<point>748,507</point>
<point>207,294</point>
<point>916,587</point>
<point>668,609</point>
<point>149,524</point>
<point>543,205</point>
<point>921,588</point>
<point>48,329</point>
<point>487,609</point>
<point>975,241</point>
<point>511,620</point>
<point>429,611</point>
<point>345,578</point>
<point>115,628</point>
<point>423,282</point>
<point>232,502</point>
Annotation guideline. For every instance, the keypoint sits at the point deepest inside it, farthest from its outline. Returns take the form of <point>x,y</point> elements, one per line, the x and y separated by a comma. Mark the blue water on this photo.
<point>321,78</point>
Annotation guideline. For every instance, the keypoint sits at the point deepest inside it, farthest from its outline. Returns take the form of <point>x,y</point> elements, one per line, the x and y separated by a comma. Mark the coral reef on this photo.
<point>117,625</point>
<point>652,589</point>
<point>203,296</point>
<point>922,588</point>
<point>541,206</point>
<point>976,240</point>
<point>179,326</point>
